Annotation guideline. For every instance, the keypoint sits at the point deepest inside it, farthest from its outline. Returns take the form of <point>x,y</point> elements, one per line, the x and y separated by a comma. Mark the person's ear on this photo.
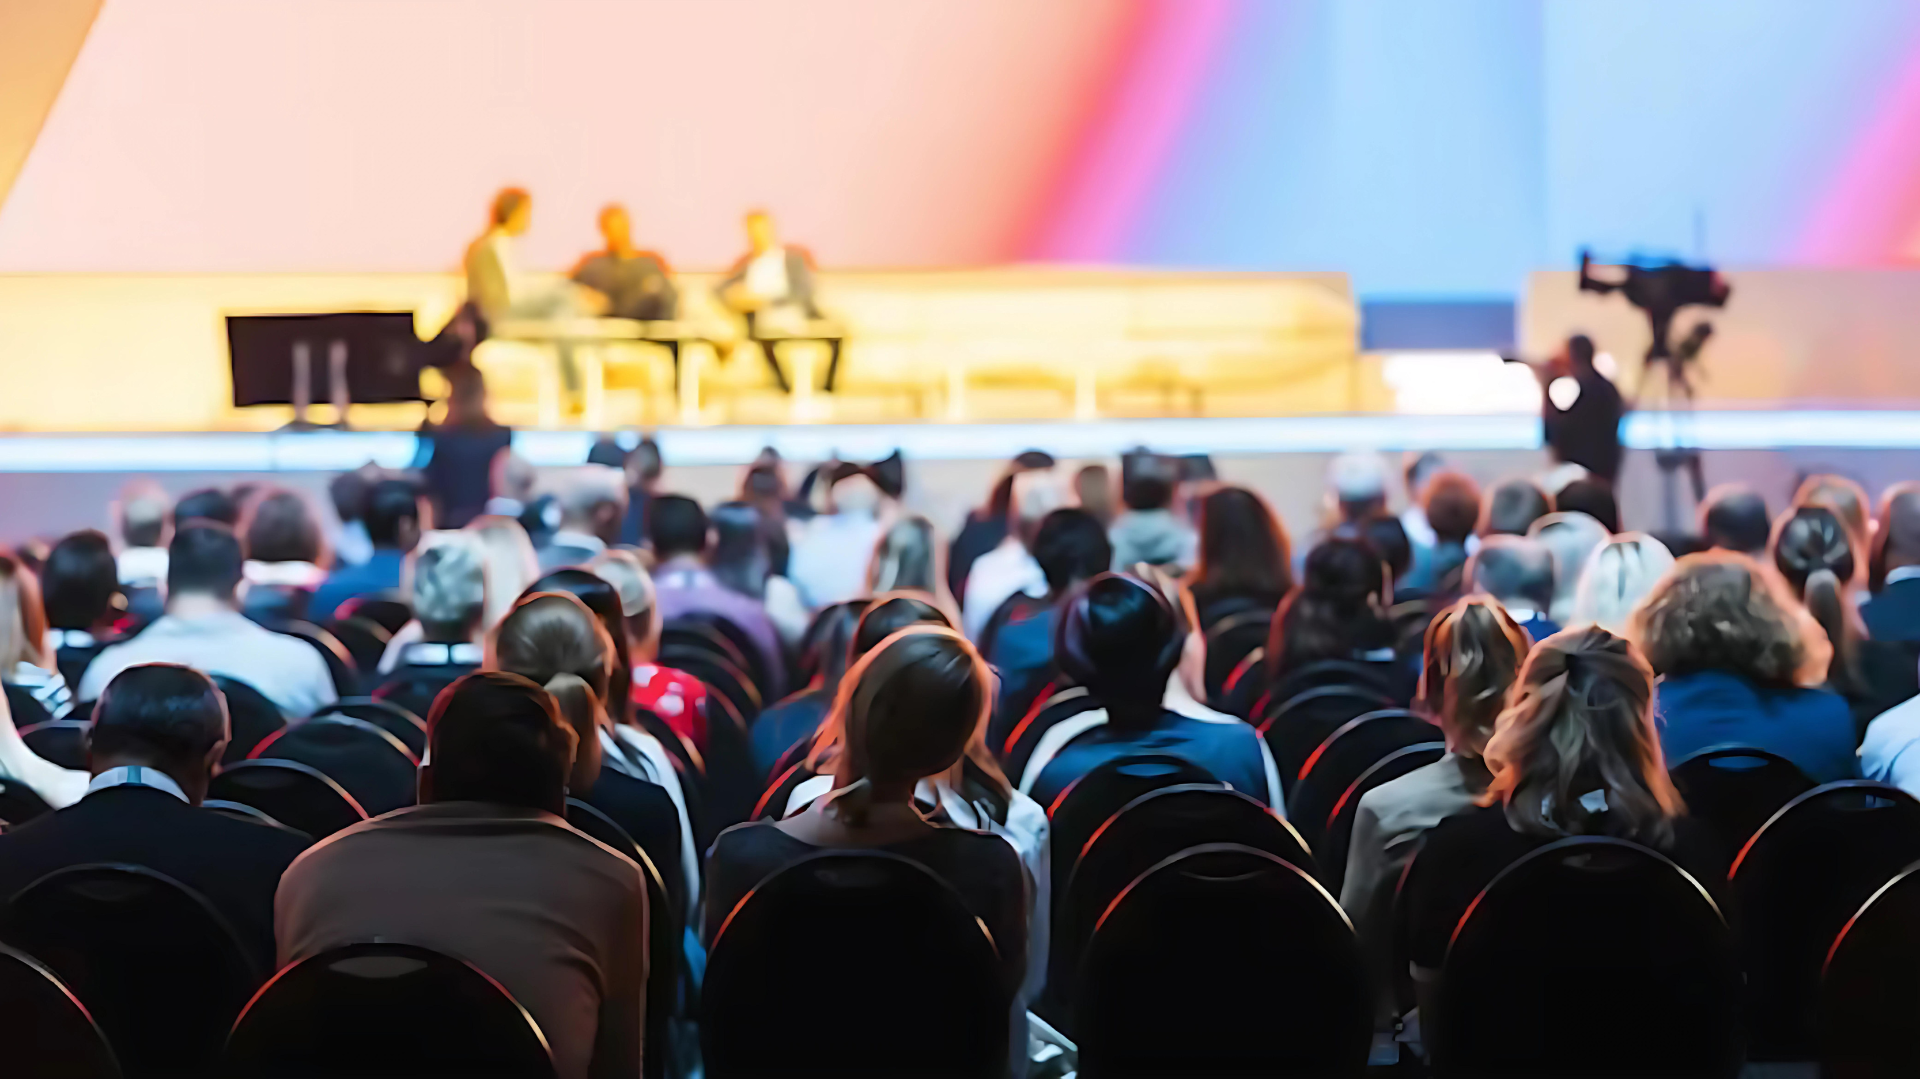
<point>211,762</point>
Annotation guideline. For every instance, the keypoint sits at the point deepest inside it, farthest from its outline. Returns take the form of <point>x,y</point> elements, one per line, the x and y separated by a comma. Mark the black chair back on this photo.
<point>63,742</point>
<point>414,689</point>
<point>293,793</point>
<point>365,640</point>
<point>1736,789</point>
<point>1371,674</point>
<point>385,1009</point>
<point>737,645</point>
<point>251,717</point>
<point>720,674</point>
<point>1333,766</point>
<point>664,925</point>
<point>1801,877</point>
<point>376,768</point>
<point>1230,640</point>
<point>20,804</point>
<point>24,707</point>
<point>389,716</point>
<point>254,815</point>
<point>1086,804</point>
<point>1868,993</point>
<point>1058,704</point>
<point>1295,727</point>
<point>386,613</point>
<point>1337,840</point>
<point>913,977</point>
<point>1223,960</point>
<point>1589,953</point>
<point>49,1033</point>
<point>161,970</point>
<point>340,666</point>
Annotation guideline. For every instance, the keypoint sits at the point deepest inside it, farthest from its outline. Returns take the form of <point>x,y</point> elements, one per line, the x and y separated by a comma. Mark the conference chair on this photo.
<point>365,640</point>
<point>161,971</point>
<point>341,669</point>
<point>719,671</point>
<point>24,707</point>
<point>664,926</point>
<point>1337,841</point>
<point>413,689</point>
<point>812,640</point>
<point>20,804</point>
<point>373,766</point>
<point>1223,960</point>
<point>48,1031</point>
<point>1798,880</point>
<point>251,717</point>
<point>291,792</point>
<point>382,611</point>
<point>63,742</point>
<point>1050,709</point>
<point>395,719</point>
<point>772,805</point>
<point>1869,993</point>
<point>1236,642</point>
<point>254,815</point>
<point>736,644</point>
<point>1591,955</point>
<point>1737,788</point>
<point>385,1009</point>
<point>1333,766</point>
<point>854,963</point>
<point>1296,726</point>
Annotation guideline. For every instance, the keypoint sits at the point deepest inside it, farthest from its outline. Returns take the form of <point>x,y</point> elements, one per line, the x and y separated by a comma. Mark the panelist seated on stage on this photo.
<point>772,287</point>
<point>495,284</point>
<point>636,283</point>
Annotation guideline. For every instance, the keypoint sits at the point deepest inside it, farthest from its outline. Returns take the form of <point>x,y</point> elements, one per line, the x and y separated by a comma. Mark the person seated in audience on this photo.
<point>905,713</point>
<point>1617,576</point>
<point>987,526</point>
<point>144,514</point>
<point>592,501</point>
<point>1816,557</point>
<point>459,451</point>
<point>156,740</point>
<point>829,560</point>
<point>1338,611</point>
<point>1385,534</point>
<point>395,517</point>
<point>1575,754</point>
<point>447,588</point>
<point>1518,572</point>
<point>1122,639</point>
<point>1734,517</point>
<point>203,628</point>
<point>684,585</point>
<point>1737,656</point>
<point>1017,641</point>
<point>1093,490</point>
<point>1591,496</point>
<point>742,562</point>
<point>1513,507</point>
<point>1847,499</point>
<point>1010,568</point>
<point>1357,486</point>
<point>28,666</point>
<point>1893,611</point>
<point>486,868</point>
<point>207,504</point>
<point>286,556</point>
<point>1474,651</point>
<point>643,468</point>
<point>1148,531</point>
<point>1570,537</point>
<point>511,480</point>
<point>348,494</point>
<point>85,605</point>
<point>510,562</point>
<point>907,559</point>
<point>785,724</point>
<point>1245,560</point>
<point>674,696</point>
<point>1451,504</point>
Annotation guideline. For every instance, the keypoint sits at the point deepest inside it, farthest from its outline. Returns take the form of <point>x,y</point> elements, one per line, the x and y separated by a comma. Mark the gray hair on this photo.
<point>1619,575</point>
<point>623,570</point>
<point>1513,568</point>
<point>1571,537</point>
<point>588,488</point>
<point>448,584</point>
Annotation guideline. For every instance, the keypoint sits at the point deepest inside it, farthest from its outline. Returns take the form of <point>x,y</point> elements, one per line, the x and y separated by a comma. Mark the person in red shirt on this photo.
<point>674,696</point>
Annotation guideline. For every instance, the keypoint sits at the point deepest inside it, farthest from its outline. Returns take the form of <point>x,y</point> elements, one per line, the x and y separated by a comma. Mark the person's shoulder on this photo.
<point>251,839</point>
<point>1893,729</point>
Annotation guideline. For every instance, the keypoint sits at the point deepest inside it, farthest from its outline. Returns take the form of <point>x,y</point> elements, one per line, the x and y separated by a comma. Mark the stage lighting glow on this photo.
<point>1459,383</point>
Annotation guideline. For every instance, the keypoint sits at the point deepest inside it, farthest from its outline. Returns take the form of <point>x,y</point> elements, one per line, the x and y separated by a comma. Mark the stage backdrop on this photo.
<point>1432,148</point>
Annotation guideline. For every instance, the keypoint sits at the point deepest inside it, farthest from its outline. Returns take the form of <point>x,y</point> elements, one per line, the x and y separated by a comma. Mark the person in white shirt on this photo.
<point>143,528</point>
<point>829,560</point>
<point>203,628</point>
<point>771,287</point>
<point>1010,568</point>
<point>1890,752</point>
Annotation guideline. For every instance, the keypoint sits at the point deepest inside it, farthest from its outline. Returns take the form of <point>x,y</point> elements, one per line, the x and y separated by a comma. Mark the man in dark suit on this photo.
<point>158,732</point>
<point>772,288</point>
<point>1894,612</point>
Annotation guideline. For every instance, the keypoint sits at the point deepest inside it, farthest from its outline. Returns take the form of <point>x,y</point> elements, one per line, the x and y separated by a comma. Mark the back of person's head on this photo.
<point>280,527</point>
<point>856,495</point>
<point>1453,506</point>
<point>592,498</point>
<point>831,638</point>
<point>167,716</point>
<point>1734,517</point>
<point>1389,539</point>
<point>1244,549</point>
<point>1808,539</point>
<point>1093,490</point>
<point>446,584</point>
<point>1337,609</point>
<point>601,600</point>
<point>1513,570</point>
<point>393,514</point>
<point>144,508</point>
<point>909,707</point>
<point>644,465</point>
<point>1036,493</point>
<point>1000,499</point>
<point>510,561</point>
<point>739,557</point>
<point>1120,638</point>
<point>1896,539</point>
<point>1717,611</point>
<point>606,450</point>
<point>1571,537</point>
<point>81,582</point>
<point>497,737</point>
<point>623,570</point>
<point>1421,467</point>
<point>1591,496</point>
<point>207,504</point>
<point>1358,481</point>
<point>1514,505</point>
<point>1148,480</point>
<point>906,557</point>
<point>1473,652</point>
<point>348,492</point>
<point>1617,576</point>
<point>891,613</point>
<point>551,638</point>
<point>23,616</point>
<point>1580,351</point>
<point>1070,546</point>
<point>676,526</point>
<point>511,476</point>
<point>1840,495</point>
<point>1582,721</point>
<point>203,560</point>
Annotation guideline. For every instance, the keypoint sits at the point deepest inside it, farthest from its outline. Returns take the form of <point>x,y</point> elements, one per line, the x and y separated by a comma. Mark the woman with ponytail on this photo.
<point>1576,753</point>
<point>1817,555</point>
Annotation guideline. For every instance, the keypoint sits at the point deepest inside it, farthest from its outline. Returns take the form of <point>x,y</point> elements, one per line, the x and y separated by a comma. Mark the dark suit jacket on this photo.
<point>234,864</point>
<point>799,280</point>
<point>1893,614</point>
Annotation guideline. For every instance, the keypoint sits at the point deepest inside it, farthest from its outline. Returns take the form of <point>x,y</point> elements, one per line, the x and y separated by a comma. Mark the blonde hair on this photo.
<point>1582,720</point>
<point>553,639</point>
<point>1718,611</point>
<point>511,565</point>
<point>23,619</point>
<point>1473,653</point>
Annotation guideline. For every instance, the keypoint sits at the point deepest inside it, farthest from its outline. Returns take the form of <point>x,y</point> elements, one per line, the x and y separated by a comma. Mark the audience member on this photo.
<point>908,558</point>
<point>1842,496</point>
<point>1093,490</point>
<point>1616,577</point>
<point>84,602</point>
<point>1148,531</point>
<point>144,517</point>
<point>1338,611</point>
<point>677,698</point>
<point>156,740</point>
<point>1388,538</point>
<point>795,718</point>
<point>741,561</point>
<point>1245,558</point>
<point>1576,754</point>
<point>1893,611</point>
<point>286,556</point>
<point>1122,639</point>
<point>1421,467</point>
<point>394,522</point>
<point>1451,506</point>
<point>203,628</point>
<point>986,528</point>
<point>1591,496</point>
<point>487,869</point>
<point>1815,556</point>
<point>1518,572</point>
<point>509,561</point>
<point>1474,651</point>
<point>446,585</point>
<point>592,501</point>
<point>1734,652</point>
<point>348,493</point>
<point>829,560</point>
<point>1513,507</point>
<point>28,665</point>
<point>460,450</point>
<point>1011,568</point>
<point>1734,517</point>
<point>208,504</point>
<point>683,584</point>
<point>764,487</point>
<point>511,480</point>
<point>643,468</point>
<point>1357,485</point>
<point>1571,537</point>
<point>1018,641</point>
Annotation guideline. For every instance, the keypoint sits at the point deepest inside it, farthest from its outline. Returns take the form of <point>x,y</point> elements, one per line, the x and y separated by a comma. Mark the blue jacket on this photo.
<point>379,574</point>
<point>1707,709</point>
<point>1230,750</point>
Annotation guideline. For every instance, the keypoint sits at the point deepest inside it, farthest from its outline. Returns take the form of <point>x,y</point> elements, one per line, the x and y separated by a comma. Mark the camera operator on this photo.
<point>1581,410</point>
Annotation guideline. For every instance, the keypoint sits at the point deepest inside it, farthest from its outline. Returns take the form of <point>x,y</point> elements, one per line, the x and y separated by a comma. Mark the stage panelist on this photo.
<point>772,288</point>
<point>636,283</point>
<point>502,293</point>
